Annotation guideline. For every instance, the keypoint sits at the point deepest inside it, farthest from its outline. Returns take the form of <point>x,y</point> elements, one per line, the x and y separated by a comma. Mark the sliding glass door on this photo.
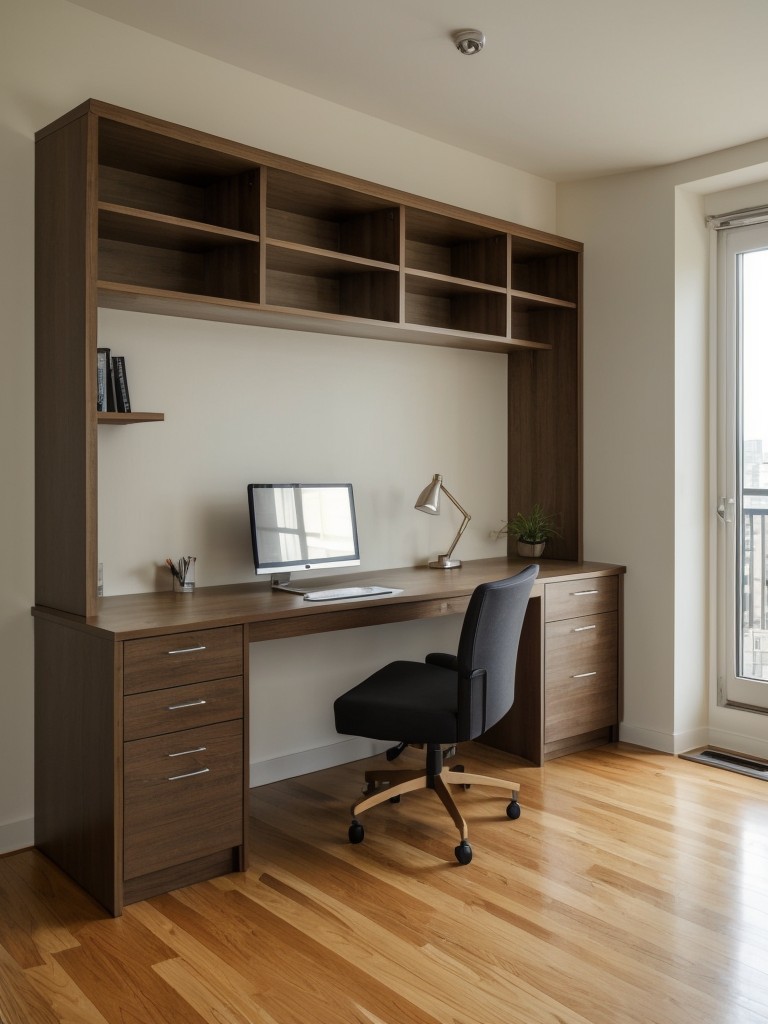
<point>743,466</point>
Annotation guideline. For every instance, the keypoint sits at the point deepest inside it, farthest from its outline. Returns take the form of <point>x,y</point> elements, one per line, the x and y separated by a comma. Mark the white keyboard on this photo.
<point>345,592</point>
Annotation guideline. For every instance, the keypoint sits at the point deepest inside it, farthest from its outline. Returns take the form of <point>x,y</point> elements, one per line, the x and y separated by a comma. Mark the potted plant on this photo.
<point>532,531</point>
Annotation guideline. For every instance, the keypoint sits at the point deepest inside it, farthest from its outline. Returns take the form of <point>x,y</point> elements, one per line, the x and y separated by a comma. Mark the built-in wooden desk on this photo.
<point>141,735</point>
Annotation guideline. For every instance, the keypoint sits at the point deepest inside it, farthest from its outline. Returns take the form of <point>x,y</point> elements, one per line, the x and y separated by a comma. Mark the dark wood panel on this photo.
<point>425,593</point>
<point>181,658</point>
<point>65,369</point>
<point>222,862</point>
<point>182,707</point>
<point>544,410</point>
<point>183,797</point>
<point>78,782</point>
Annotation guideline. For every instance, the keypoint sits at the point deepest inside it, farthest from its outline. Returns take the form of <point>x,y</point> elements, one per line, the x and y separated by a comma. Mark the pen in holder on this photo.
<point>183,573</point>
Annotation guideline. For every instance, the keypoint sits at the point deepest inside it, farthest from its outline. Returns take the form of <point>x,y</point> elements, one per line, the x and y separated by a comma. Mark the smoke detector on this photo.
<point>469,40</point>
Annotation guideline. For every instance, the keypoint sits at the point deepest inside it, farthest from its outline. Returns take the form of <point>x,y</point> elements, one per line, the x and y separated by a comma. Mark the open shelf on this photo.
<point>444,302</point>
<point>455,248</point>
<point>322,215</point>
<point>123,418</point>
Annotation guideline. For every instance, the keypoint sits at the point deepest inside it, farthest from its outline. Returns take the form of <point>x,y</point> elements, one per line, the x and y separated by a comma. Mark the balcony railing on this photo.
<point>754,594</point>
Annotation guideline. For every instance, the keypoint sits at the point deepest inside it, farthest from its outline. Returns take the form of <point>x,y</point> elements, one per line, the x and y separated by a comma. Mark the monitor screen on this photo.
<point>302,526</point>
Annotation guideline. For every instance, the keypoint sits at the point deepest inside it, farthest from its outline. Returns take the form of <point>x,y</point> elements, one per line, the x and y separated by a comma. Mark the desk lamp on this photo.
<point>429,501</point>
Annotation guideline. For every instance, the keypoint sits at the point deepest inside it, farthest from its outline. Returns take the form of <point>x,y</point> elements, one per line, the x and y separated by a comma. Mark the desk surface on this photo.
<point>269,615</point>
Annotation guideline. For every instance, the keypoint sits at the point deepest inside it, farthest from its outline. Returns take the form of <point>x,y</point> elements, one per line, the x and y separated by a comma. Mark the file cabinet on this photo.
<point>141,757</point>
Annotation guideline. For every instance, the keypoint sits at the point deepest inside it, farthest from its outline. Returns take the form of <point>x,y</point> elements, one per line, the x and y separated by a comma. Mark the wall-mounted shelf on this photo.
<point>122,418</point>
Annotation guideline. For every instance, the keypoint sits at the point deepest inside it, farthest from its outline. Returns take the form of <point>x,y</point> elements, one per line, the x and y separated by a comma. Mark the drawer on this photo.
<point>183,797</point>
<point>577,706</point>
<point>578,645</point>
<point>580,597</point>
<point>581,676</point>
<point>182,707</point>
<point>180,658</point>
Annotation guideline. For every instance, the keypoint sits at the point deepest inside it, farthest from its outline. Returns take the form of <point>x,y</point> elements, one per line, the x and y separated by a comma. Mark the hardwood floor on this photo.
<point>633,890</point>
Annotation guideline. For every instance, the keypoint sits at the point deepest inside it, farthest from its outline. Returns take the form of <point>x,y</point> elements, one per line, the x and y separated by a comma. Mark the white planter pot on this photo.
<point>530,550</point>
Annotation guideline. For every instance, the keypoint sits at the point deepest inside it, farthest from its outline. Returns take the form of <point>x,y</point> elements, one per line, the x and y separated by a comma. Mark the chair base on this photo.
<point>391,784</point>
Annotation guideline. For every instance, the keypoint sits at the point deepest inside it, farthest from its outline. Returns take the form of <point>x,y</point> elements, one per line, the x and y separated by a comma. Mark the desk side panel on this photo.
<point>65,369</point>
<point>78,722</point>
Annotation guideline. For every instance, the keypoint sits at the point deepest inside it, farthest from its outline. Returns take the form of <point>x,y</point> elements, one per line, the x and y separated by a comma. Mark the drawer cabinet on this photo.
<point>580,676</point>
<point>183,758</point>
<point>568,679</point>
<point>581,664</point>
<point>183,796</point>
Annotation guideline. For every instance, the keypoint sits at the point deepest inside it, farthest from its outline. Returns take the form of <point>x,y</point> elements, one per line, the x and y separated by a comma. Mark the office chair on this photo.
<point>441,702</point>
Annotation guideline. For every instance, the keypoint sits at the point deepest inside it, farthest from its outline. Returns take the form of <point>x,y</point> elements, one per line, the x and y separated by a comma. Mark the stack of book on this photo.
<point>112,393</point>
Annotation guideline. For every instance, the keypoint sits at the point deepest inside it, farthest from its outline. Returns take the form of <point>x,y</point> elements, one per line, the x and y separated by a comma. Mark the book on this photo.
<point>122,395</point>
<point>111,401</point>
<point>103,368</point>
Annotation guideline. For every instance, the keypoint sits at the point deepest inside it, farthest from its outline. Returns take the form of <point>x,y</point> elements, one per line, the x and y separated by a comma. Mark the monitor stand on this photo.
<point>282,581</point>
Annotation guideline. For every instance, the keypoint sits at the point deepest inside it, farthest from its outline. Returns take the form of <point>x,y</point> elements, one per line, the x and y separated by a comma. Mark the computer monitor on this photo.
<point>295,527</point>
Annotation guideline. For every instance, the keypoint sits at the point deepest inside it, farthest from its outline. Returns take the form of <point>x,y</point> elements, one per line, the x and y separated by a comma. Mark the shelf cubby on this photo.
<point>545,270</point>
<point>455,248</point>
<point>228,271</point>
<point>315,281</point>
<point>148,171</point>
<point>442,302</point>
<point>315,213</point>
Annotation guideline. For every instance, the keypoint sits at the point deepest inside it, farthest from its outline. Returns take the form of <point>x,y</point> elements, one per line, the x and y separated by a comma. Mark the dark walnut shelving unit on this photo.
<point>139,214</point>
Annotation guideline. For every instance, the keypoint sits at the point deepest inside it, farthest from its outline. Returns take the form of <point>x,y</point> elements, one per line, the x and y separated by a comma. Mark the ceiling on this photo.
<point>565,89</point>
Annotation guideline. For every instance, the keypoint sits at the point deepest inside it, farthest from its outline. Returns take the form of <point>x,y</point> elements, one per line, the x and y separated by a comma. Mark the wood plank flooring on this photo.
<point>632,890</point>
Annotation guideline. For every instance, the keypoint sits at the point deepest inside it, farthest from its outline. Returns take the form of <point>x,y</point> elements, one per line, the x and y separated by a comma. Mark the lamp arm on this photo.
<point>463,526</point>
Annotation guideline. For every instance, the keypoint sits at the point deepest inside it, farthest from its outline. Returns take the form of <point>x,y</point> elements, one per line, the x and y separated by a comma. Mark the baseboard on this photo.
<point>649,738</point>
<point>667,743</point>
<point>17,835</point>
<point>288,766</point>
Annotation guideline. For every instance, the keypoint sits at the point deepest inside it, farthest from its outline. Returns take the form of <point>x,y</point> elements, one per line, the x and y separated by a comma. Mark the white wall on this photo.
<point>647,500</point>
<point>180,486</point>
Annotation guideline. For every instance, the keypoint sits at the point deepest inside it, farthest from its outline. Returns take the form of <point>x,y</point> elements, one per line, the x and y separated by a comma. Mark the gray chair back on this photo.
<point>487,654</point>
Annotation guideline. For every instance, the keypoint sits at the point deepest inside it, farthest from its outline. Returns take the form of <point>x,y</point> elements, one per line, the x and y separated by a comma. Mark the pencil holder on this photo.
<point>184,575</point>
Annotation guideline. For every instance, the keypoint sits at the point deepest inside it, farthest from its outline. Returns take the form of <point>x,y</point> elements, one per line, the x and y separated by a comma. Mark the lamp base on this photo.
<point>444,562</point>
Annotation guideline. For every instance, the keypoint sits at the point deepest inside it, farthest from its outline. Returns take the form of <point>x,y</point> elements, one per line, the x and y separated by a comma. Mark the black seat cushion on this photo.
<point>406,701</point>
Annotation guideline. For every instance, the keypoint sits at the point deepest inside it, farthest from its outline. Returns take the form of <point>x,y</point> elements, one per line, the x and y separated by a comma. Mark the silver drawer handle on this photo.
<point>583,675</point>
<point>583,629</point>
<point>583,593</point>
<point>188,650</point>
<point>187,704</point>
<point>188,775</point>
<point>181,753</point>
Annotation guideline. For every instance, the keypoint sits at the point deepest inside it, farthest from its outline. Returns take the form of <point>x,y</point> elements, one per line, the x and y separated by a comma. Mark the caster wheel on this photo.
<point>460,768</point>
<point>394,799</point>
<point>513,810</point>
<point>463,852</point>
<point>356,832</point>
